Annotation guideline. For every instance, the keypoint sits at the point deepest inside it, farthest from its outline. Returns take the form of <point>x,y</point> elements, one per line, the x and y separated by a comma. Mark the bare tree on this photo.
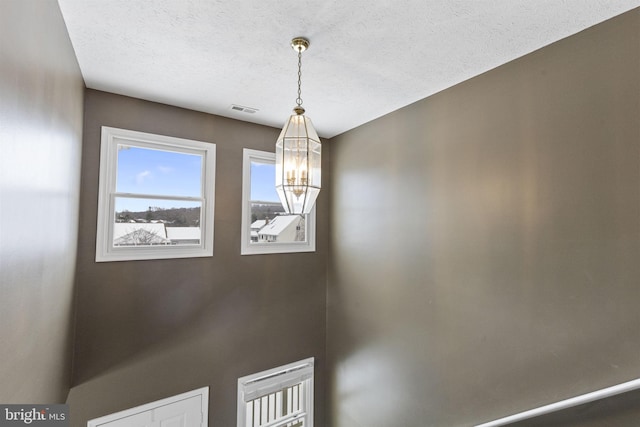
<point>141,237</point>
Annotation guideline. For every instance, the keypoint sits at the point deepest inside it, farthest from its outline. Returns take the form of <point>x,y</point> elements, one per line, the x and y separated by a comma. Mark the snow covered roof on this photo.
<point>183,233</point>
<point>257,225</point>
<point>123,228</point>
<point>139,234</point>
<point>279,224</point>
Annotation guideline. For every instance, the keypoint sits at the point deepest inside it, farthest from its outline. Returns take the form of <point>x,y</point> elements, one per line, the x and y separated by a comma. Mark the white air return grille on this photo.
<point>242,109</point>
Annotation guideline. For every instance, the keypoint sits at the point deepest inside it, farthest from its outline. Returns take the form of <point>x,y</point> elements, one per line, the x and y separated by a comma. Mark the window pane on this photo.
<point>268,222</point>
<point>161,172</point>
<point>263,182</point>
<point>153,222</point>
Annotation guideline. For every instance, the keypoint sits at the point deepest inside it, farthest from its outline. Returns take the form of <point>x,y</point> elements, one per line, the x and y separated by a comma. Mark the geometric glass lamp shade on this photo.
<point>298,173</point>
<point>298,155</point>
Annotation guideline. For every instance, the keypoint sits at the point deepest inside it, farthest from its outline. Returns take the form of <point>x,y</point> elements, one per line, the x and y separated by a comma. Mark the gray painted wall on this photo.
<point>485,241</point>
<point>151,329</point>
<point>41,101</point>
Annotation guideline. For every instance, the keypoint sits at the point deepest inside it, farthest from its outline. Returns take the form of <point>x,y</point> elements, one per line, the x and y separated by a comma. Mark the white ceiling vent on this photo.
<point>242,109</point>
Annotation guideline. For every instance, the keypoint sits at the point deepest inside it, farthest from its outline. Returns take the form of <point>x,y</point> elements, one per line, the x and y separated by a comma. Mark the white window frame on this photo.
<point>111,137</point>
<point>248,248</point>
<point>270,381</point>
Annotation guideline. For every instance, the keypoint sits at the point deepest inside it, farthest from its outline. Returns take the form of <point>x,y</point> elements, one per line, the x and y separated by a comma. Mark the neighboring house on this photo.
<point>256,226</point>
<point>183,235</point>
<point>283,228</point>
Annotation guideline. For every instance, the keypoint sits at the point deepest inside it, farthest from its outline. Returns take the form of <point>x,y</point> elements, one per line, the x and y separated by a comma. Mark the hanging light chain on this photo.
<point>299,99</point>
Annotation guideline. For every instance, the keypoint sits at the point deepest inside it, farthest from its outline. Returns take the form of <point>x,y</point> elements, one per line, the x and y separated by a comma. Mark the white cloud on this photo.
<point>142,176</point>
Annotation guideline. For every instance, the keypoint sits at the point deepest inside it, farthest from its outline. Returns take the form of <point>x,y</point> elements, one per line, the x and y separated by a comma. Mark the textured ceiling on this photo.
<point>367,58</point>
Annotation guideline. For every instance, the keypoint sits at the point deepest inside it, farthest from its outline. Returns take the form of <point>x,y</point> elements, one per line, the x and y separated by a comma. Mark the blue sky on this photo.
<point>263,182</point>
<point>146,171</point>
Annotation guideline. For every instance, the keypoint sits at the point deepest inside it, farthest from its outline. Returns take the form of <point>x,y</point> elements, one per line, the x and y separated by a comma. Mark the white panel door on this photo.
<point>185,410</point>
<point>143,419</point>
<point>185,413</point>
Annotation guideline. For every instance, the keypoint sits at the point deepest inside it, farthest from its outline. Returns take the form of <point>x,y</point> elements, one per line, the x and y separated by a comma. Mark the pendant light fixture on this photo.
<point>298,152</point>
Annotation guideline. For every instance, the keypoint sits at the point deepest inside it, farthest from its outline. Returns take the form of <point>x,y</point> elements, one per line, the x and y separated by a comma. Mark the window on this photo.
<point>279,397</point>
<point>155,197</point>
<point>265,227</point>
